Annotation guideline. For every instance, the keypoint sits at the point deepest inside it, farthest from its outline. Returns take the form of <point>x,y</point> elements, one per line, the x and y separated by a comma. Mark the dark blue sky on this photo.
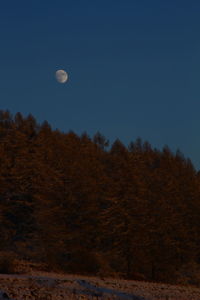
<point>134,67</point>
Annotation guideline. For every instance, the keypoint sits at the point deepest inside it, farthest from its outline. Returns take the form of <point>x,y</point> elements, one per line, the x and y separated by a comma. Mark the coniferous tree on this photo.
<point>70,202</point>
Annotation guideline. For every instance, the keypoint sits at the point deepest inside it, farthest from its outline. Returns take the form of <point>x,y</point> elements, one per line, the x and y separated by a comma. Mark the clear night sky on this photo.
<point>134,67</point>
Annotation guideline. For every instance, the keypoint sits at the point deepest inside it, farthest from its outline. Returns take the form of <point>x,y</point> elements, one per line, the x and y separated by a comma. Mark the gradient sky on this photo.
<point>134,67</point>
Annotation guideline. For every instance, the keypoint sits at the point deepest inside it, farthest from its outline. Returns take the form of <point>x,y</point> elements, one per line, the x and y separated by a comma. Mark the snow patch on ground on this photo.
<point>100,291</point>
<point>51,286</point>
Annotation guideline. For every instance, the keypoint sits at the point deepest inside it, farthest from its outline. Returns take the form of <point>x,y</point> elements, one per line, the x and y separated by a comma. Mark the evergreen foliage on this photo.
<point>73,204</point>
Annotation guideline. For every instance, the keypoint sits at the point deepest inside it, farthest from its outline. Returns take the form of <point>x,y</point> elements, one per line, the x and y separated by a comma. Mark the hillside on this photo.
<point>79,205</point>
<point>51,286</point>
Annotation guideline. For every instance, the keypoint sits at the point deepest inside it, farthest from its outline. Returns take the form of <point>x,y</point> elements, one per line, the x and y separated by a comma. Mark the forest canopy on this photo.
<point>80,205</point>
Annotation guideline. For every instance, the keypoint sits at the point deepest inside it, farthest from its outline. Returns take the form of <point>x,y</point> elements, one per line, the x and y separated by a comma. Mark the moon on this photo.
<point>61,76</point>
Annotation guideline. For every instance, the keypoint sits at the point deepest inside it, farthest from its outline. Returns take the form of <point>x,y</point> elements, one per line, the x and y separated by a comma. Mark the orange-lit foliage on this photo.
<point>76,205</point>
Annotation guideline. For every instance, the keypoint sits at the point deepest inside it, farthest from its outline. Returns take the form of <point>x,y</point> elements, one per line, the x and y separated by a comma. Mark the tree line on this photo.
<point>80,205</point>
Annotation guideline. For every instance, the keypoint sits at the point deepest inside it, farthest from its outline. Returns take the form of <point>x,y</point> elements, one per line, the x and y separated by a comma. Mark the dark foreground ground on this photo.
<point>50,286</point>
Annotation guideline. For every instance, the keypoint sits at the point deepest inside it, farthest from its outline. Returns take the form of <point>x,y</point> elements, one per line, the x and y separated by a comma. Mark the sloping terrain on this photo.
<point>49,286</point>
